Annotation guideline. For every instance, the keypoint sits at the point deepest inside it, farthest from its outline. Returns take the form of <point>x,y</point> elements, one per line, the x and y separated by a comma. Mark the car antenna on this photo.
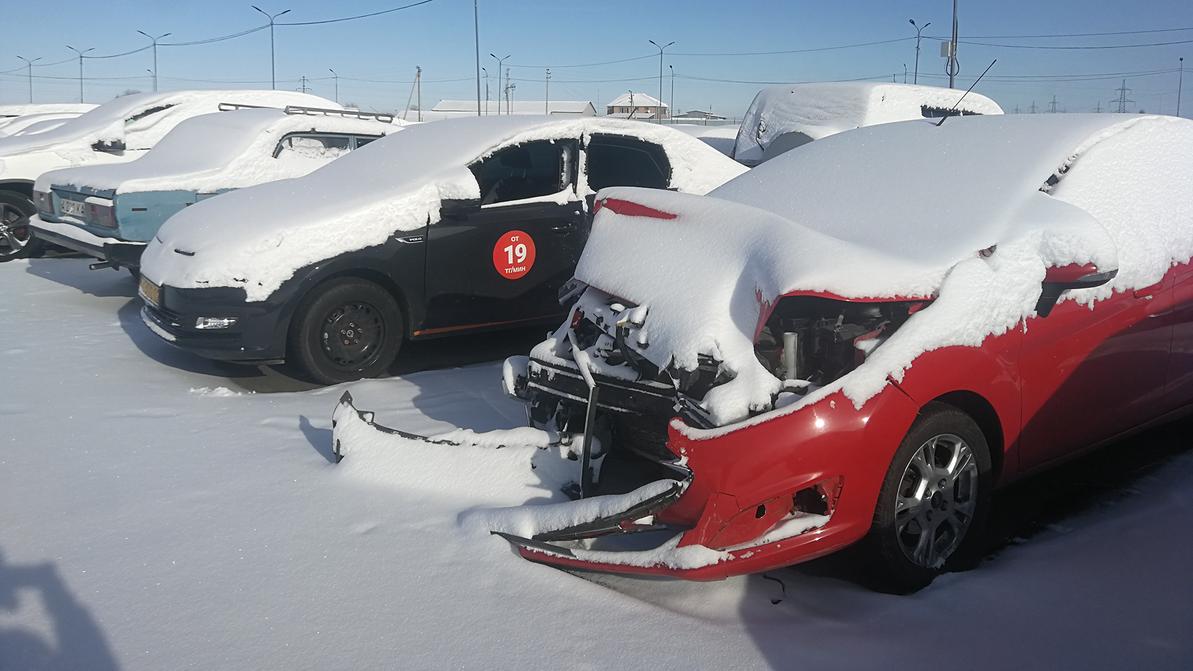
<point>975,83</point>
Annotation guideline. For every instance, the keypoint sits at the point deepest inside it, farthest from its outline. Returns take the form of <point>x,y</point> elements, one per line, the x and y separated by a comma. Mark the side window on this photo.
<point>529,170</point>
<point>622,161</point>
<point>314,146</point>
<point>362,140</point>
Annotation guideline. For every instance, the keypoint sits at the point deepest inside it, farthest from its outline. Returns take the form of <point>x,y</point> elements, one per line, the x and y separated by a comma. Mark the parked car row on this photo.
<point>854,343</point>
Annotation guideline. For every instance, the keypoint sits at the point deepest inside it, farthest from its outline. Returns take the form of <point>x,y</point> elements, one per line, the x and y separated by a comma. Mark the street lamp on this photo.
<point>155,39</point>
<point>547,93</point>
<point>660,48</point>
<point>486,71</point>
<point>29,65</point>
<point>918,30</point>
<point>80,53</point>
<point>500,61</point>
<point>1179,83</point>
<point>273,82</point>
<point>335,78</point>
<point>672,90</point>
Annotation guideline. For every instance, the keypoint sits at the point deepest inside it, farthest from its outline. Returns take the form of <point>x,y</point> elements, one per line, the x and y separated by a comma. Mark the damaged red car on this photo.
<point>857,342</point>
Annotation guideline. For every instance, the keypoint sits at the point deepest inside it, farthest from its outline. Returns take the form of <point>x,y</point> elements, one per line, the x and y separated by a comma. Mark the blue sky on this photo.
<point>538,33</point>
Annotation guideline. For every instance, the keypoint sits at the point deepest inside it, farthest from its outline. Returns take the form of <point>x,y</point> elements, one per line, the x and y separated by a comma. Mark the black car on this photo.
<point>450,227</point>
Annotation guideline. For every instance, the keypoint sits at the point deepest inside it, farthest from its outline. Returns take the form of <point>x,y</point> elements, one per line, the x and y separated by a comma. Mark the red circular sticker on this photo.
<point>513,255</point>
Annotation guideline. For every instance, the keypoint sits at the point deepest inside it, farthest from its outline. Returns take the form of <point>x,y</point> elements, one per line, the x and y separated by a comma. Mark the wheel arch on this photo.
<point>983,413</point>
<point>19,186</point>
<point>373,275</point>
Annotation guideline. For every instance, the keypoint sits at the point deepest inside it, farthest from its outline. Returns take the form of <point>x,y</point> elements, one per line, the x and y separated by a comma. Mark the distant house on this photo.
<point>452,108</point>
<point>633,105</point>
<point>698,115</point>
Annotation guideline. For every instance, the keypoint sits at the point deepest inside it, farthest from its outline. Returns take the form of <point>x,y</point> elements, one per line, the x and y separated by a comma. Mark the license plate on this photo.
<point>74,208</point>
<point>150,292</point>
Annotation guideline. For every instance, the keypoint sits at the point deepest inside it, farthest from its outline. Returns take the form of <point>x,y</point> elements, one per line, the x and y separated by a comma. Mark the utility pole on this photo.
<point>302,84</point>
<point>918,30</point>
<point>1052,106</point>
<point>273,81</point>
<point>1180,82</point>
<point>1122,98</point>
<point>500,88</point>
<point>418,88</point>
<point>509,90</point>
<point>476,32</point>
<point>486,71</point>
<point>29,66</point>
<point>155,39</point>
<point>80,53</point>
<point>1016,109</point>
<point>1098,109</point>
<point>547,93</point>
<point>660,48</point>
<point>335,78</point>
<point>953,68</point>
<point>1033,107</point>
<point>672,90</point>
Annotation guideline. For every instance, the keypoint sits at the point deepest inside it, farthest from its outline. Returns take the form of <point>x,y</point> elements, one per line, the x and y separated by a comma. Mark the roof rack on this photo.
<point>228,107</point>
<point>346,113</point>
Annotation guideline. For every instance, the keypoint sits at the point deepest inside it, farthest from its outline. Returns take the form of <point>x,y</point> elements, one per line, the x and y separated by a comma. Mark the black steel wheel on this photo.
<point>345,329</point>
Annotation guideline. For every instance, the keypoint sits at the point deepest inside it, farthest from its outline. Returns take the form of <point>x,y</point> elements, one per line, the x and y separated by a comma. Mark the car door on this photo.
<point>501,260</point>
<point>1090,374</point>
<point>1180,366</point>
<point>616,160</point>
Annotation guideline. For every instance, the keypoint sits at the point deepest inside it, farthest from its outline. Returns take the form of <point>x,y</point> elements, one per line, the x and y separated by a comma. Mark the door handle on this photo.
<point>563,228</point>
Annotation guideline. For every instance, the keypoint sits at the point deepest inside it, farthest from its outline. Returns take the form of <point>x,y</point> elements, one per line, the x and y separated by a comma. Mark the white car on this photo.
<point>782,118</point>
<point>115,132</point>
<point>110,212</point>
<point>11,114</point>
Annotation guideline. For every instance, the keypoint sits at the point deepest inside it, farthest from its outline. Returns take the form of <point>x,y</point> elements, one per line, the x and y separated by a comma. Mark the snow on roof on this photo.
<point>115,120</point>
<point>900,210</point>
<point>45,108</point>
<point>639,100</point>
<point>790,115</point>
<point>258,237</point>
<point>212,152</point>
<point>30,124</point>
<point>517,106</point>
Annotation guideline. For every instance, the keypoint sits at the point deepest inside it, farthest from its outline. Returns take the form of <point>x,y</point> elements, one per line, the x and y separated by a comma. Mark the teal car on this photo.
<point>110,212</point>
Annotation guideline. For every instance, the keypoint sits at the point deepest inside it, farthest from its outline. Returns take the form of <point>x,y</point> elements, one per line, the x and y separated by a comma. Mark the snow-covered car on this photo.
<point>13,117</point>
<point>111,212</point>
<point>115,132</point>
<point>455,226</point>
<point>782,118</point>
<point>934,312</point>
<point>31,124</point>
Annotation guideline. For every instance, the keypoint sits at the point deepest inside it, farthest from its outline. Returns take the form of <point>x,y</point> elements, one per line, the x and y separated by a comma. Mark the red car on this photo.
<point>858,341</point>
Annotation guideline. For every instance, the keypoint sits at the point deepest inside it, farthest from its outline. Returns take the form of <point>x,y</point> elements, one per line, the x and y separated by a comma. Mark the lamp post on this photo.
<point>80,53</point>
<point>915,79</point>
<point>547,93</point>
<point>29,66</point>
<point>486,71</point>
<point>336,79</point>
<point>273,82</point>
<point>1179,84</point>
<point>155,39</point>
<point>476,34</point>
<point>672,90</point>
<point>500,61</point>
<point>952,68</point>
<point>660,48</point>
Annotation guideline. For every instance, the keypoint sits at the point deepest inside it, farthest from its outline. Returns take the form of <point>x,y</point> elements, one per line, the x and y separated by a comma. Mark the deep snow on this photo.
<point>158,514</point>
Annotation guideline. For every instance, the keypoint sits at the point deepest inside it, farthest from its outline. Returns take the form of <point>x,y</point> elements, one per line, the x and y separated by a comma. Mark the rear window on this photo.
<point>622,161</point>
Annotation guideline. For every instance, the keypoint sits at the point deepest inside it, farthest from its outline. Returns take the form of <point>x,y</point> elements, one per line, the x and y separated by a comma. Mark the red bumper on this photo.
<point>820,467</point>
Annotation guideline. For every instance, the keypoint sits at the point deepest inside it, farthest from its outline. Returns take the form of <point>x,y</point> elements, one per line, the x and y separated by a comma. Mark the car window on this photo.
<point>147,112</point>
<point>622,161</point>
<point>314,146</point>
<point>523,171</point>
<point>362,140</point>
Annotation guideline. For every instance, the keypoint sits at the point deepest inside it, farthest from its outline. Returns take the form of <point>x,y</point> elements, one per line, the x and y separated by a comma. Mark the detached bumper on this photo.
<point>120,253</point>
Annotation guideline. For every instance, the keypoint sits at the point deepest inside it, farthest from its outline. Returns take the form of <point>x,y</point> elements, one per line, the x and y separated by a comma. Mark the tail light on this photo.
<point>101,215</point>
<point>44,202</point>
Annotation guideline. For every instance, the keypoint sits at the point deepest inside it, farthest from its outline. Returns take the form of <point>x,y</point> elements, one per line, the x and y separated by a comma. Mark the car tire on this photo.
<point>16,238</point>
<point>345,329</point>
<point>934,501</point>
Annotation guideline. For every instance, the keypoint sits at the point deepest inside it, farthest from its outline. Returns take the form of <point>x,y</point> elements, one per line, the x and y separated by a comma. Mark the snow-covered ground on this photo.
<point>161,511</point>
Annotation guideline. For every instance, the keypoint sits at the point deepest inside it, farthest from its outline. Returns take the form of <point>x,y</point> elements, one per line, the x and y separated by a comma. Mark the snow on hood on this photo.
<point>257,237</point>
<point>7,111</point>
<point>113,121</point>
<point>816,111</point>
<point>212,152</point>
<point>898,211</point>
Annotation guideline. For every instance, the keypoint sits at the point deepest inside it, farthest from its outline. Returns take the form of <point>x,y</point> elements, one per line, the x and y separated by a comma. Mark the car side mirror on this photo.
<point>1059,279</point>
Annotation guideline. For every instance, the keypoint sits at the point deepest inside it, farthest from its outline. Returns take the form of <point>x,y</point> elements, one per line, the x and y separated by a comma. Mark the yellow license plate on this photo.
<point>150,292</point>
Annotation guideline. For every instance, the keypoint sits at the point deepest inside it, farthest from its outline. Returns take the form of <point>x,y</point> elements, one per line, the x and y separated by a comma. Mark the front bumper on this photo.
<point>258,336</point>
<point>770,493</point>
<point>119,253</point>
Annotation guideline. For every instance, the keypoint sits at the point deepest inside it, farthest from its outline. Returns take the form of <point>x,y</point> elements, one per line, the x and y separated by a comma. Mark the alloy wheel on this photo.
<point>14,230</point>
<point>937,498</point>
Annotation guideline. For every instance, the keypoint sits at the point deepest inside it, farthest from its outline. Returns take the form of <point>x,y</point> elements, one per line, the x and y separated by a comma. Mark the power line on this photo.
<point>1105,34</point>
<point>1081,47</point>
<point>794,51</point>
<point>358,16</point>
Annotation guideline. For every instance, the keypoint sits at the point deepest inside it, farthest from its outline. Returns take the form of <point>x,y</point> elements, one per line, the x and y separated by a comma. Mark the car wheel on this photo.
<point>346,329</point>
<point>16,238</point>
<point>934,500</point>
